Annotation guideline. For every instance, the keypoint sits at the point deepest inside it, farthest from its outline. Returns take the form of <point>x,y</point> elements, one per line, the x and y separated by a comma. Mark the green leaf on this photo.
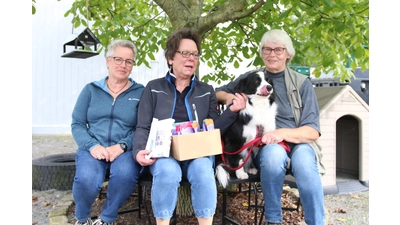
<point>359,52</point>
<point>324,32</point>
<point>236,64</point>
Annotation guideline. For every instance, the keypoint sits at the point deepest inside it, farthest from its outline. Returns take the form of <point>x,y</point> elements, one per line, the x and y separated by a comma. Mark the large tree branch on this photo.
<point>231,10</point>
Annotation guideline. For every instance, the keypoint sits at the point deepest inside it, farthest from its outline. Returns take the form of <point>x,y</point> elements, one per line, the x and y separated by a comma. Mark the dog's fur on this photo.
<point>260,111</point>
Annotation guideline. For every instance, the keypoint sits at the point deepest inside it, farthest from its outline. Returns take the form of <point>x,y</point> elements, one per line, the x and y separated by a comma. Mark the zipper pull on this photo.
<point>195,113</point>
<point>113,102</point>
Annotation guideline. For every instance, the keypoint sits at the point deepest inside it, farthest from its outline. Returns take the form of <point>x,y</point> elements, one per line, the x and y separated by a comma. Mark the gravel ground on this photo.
<point>349,208</point>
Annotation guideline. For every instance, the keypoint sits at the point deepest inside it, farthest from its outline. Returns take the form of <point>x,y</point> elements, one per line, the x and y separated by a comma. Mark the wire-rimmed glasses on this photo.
<point>119,61</point>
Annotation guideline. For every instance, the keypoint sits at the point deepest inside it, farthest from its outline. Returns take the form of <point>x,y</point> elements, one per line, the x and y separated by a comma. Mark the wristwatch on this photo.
<point>123,146</point>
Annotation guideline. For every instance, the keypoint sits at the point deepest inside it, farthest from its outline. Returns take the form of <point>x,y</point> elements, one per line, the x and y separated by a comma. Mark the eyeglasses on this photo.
<point>187,54</point>
<point>278,50</point>
<point>119,61</point>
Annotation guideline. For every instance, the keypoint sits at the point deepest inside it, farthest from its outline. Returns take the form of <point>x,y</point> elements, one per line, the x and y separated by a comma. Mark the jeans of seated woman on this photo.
<point>89,177</point>
<point>272,161</point>
<point>167,174</point>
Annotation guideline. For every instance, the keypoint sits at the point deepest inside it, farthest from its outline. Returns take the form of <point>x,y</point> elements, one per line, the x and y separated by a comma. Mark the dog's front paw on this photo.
<point>241,174</point>
<point>253,171</point>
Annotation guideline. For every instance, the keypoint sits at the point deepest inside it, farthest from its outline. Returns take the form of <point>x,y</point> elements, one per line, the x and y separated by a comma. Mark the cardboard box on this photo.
<point>196,145</point>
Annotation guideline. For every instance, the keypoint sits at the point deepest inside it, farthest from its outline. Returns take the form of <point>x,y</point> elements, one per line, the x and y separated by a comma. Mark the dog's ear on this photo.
<point>272,98</point>
<point>269,80</point>
<point>239,86</point>
<point>265,75</point>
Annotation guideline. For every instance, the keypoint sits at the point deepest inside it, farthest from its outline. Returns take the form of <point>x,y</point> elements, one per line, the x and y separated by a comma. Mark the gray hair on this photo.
<point>278,37</point>
<point>120,43</point>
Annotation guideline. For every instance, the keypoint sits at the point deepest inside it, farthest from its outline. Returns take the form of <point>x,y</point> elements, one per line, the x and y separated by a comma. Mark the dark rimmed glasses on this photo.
<point>278,50</point>
<point>187,54</point>
<point>119,61</point>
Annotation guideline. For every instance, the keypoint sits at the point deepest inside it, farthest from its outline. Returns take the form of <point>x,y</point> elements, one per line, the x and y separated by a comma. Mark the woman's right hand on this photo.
<point>99,152</point>
<point>142,160</point>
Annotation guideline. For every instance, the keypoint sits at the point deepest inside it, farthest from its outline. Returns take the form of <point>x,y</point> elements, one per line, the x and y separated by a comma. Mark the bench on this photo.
<point>145,181</point>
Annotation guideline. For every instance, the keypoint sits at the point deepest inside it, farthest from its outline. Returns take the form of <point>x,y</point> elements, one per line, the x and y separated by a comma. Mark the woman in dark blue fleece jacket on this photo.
<point>103,123</point>
<point>172,97</point>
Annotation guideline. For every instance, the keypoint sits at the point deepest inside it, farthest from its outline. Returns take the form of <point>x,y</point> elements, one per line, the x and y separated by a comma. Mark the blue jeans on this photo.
<point>168,172</point>
<point>272,161</point>
<point>89,177</point>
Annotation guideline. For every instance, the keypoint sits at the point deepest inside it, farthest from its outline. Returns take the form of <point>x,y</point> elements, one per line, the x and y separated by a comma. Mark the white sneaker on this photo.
<point>87,222</point>
<point>100,222</point>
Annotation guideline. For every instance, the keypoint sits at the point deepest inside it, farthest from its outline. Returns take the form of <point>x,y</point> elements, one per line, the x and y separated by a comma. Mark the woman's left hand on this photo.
<point>113,152</point>
<point>238,102</point>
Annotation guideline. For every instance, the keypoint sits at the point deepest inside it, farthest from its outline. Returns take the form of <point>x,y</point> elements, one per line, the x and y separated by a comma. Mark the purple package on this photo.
<point>208,124</point>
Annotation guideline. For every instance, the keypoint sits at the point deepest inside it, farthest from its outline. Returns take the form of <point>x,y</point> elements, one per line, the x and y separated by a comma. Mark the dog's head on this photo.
<point>255,85</point>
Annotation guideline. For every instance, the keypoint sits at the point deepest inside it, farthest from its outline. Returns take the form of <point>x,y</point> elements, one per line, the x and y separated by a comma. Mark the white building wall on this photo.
<point>57,81</point>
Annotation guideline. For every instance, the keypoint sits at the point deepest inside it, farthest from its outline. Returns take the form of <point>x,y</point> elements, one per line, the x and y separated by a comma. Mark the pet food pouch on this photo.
<point>196,126</point>
<point>208,124</point>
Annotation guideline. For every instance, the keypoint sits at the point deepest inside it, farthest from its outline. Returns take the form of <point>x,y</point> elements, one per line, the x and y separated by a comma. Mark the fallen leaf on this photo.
<point>340,210</point>
<point>34,198</point>
<point>341,220</point>
<point>355,196</point>
<point>245,204</point>
<point>46,203</point>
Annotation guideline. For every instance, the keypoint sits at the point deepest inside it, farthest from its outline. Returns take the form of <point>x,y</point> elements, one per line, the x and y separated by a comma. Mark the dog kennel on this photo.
<point>344,122</point>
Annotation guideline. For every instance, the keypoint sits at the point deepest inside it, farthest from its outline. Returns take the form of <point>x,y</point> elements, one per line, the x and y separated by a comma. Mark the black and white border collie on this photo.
<point>258,117</point>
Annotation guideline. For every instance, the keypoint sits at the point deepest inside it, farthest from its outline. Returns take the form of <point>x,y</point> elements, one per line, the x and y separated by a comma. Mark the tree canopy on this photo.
<point>328,35</point>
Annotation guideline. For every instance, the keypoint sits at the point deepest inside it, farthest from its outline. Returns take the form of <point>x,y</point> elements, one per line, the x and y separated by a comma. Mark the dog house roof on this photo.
<point>327,96</point>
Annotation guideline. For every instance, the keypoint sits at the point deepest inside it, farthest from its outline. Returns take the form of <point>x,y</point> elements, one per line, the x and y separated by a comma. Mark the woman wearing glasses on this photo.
<point>103,125</point>
<point>297,123</point>
<point>173,96</point>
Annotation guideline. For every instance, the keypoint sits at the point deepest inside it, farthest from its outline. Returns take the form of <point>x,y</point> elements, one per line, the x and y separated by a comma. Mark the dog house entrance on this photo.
<point>347,148</point>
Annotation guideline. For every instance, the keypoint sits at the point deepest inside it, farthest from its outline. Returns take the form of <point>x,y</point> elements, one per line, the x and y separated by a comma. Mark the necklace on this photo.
<point>119,89</point>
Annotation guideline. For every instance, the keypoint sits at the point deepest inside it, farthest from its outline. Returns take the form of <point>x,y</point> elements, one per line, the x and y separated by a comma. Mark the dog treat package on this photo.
<point>192,127</point>
<point>185,128</point>
<point>208,124</point>
<point>159,140</point>
<point>196,126</point>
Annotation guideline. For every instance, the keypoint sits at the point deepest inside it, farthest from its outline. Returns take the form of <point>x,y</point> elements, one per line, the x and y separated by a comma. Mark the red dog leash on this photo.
<point>251,144</point>
<point>256,141</point>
